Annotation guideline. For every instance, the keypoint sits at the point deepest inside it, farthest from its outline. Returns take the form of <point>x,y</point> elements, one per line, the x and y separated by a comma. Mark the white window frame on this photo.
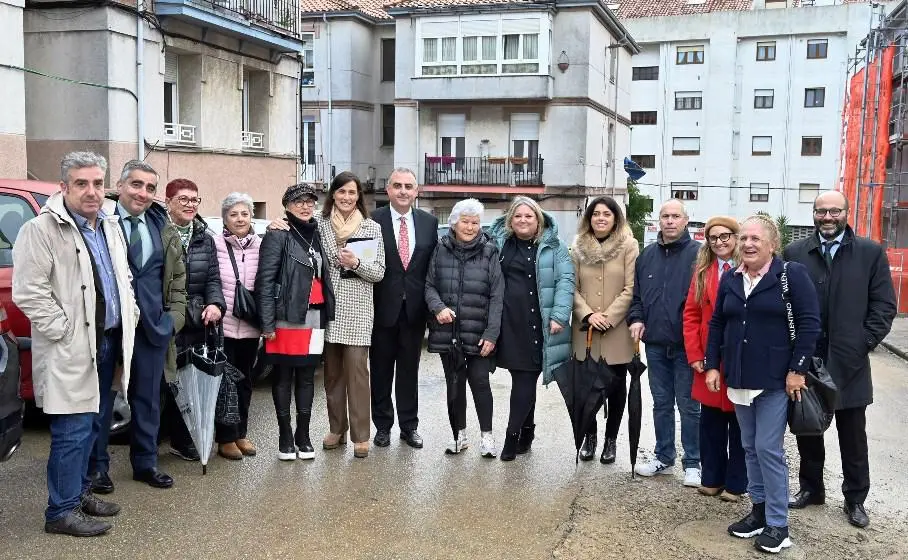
<point>503,66</point>
<point>308,71</point>
<point>759,142</point>
<point>692,191</point>
<point>808,192</point>
<point>683,146</point>
<point>760,191</point>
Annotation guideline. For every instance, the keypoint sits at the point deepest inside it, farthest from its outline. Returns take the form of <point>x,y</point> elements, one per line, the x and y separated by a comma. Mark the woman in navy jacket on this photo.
<point>763,368</point>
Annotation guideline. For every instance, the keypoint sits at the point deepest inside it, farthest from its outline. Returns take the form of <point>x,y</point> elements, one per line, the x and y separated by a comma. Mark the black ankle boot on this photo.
<point>303,444</point>
<point>609,450</point>
<point>527,435</point>
<point>509,449</point>
<point>588,449</point>
<point>286,449</point>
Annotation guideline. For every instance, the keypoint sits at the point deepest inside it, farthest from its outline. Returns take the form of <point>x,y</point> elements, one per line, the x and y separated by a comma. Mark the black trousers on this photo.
<point>523,399</point>
<point>615,403</point>
<point>241,353</point>
<point>477,373</point>
<point>298,381</point>
<point>851,424</point>
<point>399,345</point>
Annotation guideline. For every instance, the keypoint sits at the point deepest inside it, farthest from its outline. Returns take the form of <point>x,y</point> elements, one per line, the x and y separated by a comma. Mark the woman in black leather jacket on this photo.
<point>204,298</point>
<point>295,303</point>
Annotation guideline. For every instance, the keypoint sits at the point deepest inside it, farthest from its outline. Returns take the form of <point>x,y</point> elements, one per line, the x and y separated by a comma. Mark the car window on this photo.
<point>14,211</point>
<point>41,199</point>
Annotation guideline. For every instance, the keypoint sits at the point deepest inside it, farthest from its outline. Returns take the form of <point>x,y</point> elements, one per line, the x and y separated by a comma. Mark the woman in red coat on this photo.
<point>721,455</point>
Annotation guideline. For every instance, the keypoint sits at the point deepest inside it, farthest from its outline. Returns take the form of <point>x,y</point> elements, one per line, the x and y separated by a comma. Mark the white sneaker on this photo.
<point>456,446</point>
<point>692,477</point>
<point>487,445</point>
<point>654,467</point>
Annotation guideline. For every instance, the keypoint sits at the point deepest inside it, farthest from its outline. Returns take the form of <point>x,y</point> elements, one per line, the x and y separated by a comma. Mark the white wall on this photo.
<point>728,120</point>
<point>12,91</point>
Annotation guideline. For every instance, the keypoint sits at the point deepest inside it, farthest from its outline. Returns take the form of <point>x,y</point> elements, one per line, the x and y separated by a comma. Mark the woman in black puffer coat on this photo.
<point>465,293</point>
<point>204,298</point>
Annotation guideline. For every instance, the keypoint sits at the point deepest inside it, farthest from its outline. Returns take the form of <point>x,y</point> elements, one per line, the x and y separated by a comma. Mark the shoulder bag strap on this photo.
<point>236,271</point>
<point>786,299</point>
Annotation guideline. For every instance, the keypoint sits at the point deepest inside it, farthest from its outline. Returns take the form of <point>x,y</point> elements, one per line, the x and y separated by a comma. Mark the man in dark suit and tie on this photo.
<point>155,257</point>
<point>410,236</point>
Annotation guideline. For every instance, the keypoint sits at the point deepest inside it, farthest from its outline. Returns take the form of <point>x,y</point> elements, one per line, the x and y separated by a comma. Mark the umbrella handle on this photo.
<point>589,339</point>
<point>637,347</point>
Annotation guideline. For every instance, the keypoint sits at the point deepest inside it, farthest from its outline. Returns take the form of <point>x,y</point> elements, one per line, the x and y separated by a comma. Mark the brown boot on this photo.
<point>230,451</point>
<point>333,441</point>
<point>361,450</point>
<point>246,447</point>
<point>709,490</point>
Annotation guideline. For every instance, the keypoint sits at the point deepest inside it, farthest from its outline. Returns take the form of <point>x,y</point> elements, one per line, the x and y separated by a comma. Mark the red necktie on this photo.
<point>726,267</point>
<point>403,243</point>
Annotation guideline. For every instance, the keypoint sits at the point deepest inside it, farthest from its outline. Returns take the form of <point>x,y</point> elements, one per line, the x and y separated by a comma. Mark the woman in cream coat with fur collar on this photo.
<point>604,253</point>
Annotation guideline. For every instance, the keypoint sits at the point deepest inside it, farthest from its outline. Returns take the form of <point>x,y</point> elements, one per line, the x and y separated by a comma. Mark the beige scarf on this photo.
<point>345,228</point>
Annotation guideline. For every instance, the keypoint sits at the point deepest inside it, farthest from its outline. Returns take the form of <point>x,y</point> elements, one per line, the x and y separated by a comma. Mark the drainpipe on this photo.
<point>140,80</point>
<point>418,160</point>
<point>330,105</point>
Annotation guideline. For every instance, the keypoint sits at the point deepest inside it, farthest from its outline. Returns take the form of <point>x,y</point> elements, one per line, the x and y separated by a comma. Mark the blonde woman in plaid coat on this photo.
<point>349,336</point>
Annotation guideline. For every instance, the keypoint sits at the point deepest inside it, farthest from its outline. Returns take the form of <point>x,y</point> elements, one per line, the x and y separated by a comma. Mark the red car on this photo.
<point>20,201</point>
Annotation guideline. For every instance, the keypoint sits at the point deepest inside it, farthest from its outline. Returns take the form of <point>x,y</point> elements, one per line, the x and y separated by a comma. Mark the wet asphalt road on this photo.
<point>397,503</point>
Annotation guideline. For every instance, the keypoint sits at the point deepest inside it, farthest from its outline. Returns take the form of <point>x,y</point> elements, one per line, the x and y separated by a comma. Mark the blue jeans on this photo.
<point>108,352</point>
<point>67,466</point>
<point>763,426</point>
<point>670,379</point>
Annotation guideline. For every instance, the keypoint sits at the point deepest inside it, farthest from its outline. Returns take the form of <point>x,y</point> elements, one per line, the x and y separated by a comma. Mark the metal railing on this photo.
<point>179,134</point>
<point>253,141</point>
<point>283,14</point>
<point>491,171</point>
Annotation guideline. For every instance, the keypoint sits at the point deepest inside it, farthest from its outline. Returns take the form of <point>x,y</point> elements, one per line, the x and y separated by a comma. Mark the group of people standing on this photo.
<point>731,329</point>
<point>124,284</point>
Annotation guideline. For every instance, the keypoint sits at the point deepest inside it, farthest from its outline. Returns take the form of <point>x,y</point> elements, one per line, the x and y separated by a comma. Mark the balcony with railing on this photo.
<point>274,24</point>
<point>483,174</point>
<point>176,134</point>
<point>253,141</point>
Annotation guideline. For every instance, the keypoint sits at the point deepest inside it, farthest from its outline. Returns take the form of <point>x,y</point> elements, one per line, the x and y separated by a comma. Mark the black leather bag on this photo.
<point>813,414</point>
<point>244,306</point>
<point>194,307</point>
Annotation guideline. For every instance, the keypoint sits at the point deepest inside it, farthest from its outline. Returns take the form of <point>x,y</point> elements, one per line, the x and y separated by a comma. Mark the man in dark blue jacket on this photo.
<point>661,281</point>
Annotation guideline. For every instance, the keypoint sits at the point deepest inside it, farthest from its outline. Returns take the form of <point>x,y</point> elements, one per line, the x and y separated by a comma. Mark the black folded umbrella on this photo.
<point>584,384</point>
<point>634,405</point>
<point>453,363</point>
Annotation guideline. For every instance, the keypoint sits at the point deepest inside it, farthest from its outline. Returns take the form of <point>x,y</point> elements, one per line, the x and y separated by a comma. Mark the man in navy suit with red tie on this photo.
<point>410,236</point>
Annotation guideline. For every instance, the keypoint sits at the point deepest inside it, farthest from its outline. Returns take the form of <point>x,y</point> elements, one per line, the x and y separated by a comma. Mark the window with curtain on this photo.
<point>449,49</point>
<point>470,53</point>
<point>489,47</point>
<point>511,47</point>
<point>531,46</point>
<point>429,50</point>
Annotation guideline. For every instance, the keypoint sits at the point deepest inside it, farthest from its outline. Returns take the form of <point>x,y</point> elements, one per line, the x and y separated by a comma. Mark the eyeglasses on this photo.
<point>304,202</point>
<point>834,212</point>
<point>723,237</point>
<point>186,201</point>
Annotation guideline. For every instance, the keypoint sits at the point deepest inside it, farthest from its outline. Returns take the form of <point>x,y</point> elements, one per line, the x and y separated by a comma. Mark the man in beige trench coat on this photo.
<point>71,279</point>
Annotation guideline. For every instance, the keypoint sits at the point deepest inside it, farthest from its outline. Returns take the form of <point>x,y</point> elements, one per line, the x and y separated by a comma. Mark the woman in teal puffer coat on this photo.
<point>535,322</point>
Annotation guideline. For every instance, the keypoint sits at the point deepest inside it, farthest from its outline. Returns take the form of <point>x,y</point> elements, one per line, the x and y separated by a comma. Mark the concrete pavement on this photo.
<point>416,504</point>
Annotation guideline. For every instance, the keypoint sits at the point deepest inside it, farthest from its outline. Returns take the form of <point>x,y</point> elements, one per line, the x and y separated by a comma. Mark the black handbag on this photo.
<point>813,414</point>
<point>194,307</point>
<point>244,307</point>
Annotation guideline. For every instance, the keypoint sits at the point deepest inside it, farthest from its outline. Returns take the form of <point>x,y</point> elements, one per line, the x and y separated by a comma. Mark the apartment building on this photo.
<point>211,93</point>
<point>481,98</point>
<point>736,105</point>
<point>12,91</point>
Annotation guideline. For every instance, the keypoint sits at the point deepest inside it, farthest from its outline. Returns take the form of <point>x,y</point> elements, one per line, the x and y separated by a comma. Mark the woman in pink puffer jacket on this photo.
<point>240,338</point>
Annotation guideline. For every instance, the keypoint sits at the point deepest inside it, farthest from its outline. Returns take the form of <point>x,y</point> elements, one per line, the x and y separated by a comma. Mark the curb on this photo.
<point>895,350</point>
